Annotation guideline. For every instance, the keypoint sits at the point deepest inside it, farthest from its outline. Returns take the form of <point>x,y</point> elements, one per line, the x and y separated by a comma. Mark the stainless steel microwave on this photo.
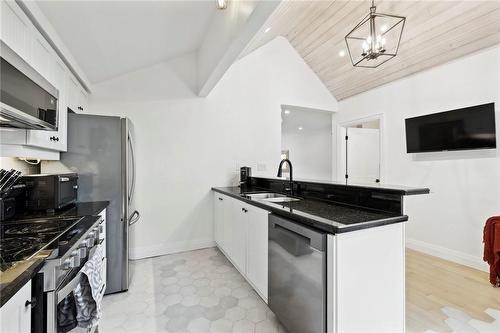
<point>27,99</point>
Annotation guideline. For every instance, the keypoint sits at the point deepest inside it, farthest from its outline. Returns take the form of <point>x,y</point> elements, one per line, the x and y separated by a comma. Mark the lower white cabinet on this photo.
<point>257,248</point>
<point>15,315</point>
<point>241,233</point>
<point>238,225</point>
<point>220,220</point>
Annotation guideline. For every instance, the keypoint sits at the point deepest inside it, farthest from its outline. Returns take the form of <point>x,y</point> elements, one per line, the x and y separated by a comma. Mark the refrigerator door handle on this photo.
<point>134,217</point>
<point>132,185</point>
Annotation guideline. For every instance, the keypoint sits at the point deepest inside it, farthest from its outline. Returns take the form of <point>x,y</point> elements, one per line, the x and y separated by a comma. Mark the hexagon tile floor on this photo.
<point>196,292</point>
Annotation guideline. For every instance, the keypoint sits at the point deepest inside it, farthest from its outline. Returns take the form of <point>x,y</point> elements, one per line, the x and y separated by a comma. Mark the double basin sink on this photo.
<point>270,197</point>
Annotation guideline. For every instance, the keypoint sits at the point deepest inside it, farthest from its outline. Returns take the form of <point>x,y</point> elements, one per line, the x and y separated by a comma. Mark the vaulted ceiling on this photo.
<point>110,38</point>
<point>435,32</point>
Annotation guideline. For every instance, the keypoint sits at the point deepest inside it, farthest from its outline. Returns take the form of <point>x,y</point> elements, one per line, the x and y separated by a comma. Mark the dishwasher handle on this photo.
<point>317,239</point>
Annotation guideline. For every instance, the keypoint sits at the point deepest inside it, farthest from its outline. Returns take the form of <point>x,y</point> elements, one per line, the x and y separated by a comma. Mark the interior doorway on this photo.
<point>360,151</point>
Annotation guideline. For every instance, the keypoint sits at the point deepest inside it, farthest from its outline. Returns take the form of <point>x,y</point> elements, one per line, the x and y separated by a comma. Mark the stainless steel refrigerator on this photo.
<point>101,151</point>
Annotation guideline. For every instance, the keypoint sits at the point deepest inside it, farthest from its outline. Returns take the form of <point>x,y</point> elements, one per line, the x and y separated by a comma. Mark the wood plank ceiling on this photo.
<point>435,32</point>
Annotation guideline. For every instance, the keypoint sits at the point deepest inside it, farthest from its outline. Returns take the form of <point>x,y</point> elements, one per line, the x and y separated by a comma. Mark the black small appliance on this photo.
<point>245,174</point>
<point>50,191</point>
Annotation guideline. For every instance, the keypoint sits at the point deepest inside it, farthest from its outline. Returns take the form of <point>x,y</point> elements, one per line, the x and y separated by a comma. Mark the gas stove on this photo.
<point>22,240</point>
<point>67,244</point>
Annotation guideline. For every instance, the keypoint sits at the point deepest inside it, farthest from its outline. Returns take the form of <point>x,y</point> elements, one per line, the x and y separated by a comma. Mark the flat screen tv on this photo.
<point>462,129</point>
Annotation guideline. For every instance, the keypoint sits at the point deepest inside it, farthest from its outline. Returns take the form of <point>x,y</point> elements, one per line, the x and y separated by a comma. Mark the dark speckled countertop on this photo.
<point>330,217</point>
<point>76,210</point>
<point>15,278</point>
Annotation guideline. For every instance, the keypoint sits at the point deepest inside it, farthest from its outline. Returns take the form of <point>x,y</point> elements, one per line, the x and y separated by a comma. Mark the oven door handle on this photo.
<point>69,287</point>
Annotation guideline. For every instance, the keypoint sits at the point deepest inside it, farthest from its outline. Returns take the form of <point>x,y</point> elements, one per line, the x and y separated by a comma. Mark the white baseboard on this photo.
<point>169,248</point>
<point>447,254</point>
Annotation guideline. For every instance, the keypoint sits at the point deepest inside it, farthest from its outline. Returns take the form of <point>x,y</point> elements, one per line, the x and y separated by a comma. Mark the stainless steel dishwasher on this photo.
<point>297,275</point>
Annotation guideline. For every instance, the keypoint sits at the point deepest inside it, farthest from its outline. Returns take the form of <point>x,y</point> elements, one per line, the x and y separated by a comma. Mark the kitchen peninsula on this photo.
<point>319,250</point>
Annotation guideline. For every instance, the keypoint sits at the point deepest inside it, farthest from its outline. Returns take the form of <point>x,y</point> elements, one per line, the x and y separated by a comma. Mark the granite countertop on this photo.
<point>13,279</point>
<point>75,210</point>
<point>330,217</point>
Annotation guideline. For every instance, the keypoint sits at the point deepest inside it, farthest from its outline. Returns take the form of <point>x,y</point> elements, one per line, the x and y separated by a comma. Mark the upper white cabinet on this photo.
<point>241,233</point>
<point>19,33</point>
<point>77,96</point>
<point>16,29</point>
<point>42,59</point>
<point>55,140</point>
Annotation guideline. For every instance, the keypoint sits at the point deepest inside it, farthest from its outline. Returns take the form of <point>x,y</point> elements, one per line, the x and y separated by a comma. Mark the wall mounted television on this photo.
<point>461,129</point>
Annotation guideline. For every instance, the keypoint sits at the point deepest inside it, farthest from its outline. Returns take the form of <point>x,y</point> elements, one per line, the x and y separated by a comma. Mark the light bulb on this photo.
<point>221,4</point>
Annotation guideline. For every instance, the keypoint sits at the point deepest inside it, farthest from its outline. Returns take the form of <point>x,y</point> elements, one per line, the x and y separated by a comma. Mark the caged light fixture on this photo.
<point>375,39</point>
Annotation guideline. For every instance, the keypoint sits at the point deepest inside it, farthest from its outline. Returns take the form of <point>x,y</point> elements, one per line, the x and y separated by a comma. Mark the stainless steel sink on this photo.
<point>271,197</point>
<point>268,195</point>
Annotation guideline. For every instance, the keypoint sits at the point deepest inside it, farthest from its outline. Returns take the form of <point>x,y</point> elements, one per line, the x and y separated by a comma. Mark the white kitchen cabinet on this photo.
<point>16,29</point>
<point>219,219</point>
<point>238,222</point>
<point>257,249</point>
<point>241,233</point>
<point>55,140</point>
<point>15,315</point>
<point>41,58</point>
<point>77,96</point>
<point>21,35</point>
<point>83,99</point>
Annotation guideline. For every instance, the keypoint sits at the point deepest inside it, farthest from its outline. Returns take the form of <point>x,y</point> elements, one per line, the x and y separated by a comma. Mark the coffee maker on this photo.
<point>245,174</point>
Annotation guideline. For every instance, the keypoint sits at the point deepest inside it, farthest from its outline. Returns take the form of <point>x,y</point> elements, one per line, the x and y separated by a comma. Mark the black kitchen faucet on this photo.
<point>291,173</point>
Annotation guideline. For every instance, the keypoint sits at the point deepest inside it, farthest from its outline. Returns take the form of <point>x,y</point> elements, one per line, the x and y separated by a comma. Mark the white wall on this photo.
<point>465,186</point>
<point>8,163</point>
<point>186,144</point>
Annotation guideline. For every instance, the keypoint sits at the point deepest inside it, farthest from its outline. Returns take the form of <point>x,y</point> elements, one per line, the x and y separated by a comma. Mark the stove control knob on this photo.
<point>74,259</point>
<point>65,264</point>
<point>82,250</point>
<point>89,242</point>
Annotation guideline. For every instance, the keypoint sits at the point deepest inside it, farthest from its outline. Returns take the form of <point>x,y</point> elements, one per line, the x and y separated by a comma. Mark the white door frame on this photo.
<point>340,140</point>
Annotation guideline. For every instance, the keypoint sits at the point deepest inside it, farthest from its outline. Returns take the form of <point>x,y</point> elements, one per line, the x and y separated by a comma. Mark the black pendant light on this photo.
<point>375,39</point>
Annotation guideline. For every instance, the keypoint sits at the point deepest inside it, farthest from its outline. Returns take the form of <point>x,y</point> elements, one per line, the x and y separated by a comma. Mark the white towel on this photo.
<point>89,292</point>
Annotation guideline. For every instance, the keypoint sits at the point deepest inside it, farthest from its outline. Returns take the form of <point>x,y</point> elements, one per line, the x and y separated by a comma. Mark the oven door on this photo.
<point>60,311</point>
<point>27,99</point>
<point>67,190</point>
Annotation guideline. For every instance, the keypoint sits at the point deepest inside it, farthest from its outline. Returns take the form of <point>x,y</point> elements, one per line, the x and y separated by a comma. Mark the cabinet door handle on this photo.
<point>221,199</point>
<point>31,302</point>
<point>244,210</point>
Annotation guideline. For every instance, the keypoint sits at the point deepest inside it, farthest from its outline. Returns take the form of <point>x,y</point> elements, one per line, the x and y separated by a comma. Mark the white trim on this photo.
<point>447,254</point>
<point>341,134</point>
<point>169,248</point>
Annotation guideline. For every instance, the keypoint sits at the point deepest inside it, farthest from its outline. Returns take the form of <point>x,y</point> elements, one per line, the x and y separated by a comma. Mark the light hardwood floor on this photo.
<point>434,284</point>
